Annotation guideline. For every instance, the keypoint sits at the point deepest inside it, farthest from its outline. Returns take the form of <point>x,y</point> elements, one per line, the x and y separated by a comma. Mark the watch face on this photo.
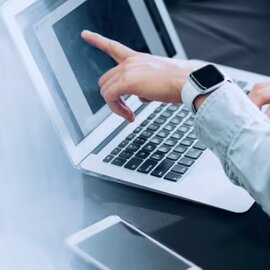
<point>207,77</point>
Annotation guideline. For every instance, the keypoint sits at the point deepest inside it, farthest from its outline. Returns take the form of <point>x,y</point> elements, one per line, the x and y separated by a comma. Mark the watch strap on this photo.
<point>189,94</point>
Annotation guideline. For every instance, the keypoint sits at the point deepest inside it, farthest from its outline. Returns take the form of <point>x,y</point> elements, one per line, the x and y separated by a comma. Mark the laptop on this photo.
<point>159,152</point>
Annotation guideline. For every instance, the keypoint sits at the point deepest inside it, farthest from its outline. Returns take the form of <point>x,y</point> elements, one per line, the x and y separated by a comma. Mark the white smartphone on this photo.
<point>114,244</point>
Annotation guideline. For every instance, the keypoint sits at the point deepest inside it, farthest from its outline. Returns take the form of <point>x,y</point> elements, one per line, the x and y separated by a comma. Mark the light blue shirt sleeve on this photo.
<point>230,125</point>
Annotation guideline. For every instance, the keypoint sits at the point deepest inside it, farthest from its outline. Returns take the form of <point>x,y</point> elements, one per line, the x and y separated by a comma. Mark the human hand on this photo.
<point>260,95</point>
<point>149,77</point>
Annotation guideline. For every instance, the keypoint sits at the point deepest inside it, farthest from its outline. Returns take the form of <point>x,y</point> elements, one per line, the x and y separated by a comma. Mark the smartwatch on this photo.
<point>201,82</point>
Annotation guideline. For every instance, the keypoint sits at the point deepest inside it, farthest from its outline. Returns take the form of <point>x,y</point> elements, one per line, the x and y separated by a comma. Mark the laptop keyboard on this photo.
<point>164,145</point>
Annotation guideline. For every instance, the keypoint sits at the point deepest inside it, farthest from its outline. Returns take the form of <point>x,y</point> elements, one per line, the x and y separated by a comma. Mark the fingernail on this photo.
<point>85,32</point>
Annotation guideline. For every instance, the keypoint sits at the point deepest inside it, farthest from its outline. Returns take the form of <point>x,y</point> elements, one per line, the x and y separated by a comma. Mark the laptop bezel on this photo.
<point>77,153</point>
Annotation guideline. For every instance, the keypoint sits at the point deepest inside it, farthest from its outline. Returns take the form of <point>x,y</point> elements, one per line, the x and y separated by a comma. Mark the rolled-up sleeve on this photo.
<point>231,126</point>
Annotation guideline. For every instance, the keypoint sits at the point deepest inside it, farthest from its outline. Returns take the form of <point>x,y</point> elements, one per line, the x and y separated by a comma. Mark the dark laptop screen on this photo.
<point>56,25</point>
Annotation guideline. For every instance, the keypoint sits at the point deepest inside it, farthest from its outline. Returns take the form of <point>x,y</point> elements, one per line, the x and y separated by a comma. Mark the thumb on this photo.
<point>116,50</point>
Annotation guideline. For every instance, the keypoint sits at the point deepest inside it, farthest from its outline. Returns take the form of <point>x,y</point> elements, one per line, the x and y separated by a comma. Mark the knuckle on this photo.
<point>106,95</point>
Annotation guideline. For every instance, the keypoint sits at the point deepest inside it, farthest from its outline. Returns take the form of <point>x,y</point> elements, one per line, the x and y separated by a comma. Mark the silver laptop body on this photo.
<point>158,152</point>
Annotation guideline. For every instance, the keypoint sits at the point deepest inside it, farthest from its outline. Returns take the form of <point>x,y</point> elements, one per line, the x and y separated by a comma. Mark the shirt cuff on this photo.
<point>222,116</point>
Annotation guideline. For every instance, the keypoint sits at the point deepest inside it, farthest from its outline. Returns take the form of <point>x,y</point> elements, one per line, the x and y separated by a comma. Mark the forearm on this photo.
<point>239,134</point>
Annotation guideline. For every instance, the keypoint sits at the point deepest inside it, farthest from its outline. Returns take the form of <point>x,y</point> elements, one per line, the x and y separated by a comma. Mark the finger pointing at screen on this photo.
<point>115,49</point>
<point>151,78</point>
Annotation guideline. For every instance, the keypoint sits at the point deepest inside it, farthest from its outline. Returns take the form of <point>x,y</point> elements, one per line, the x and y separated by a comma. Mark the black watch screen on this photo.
<point>207,77</point>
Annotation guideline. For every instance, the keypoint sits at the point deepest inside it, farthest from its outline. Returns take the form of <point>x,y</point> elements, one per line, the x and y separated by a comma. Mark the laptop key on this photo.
<point>170,142</point>
<point>149,147</point>
<point>183,129</point>
<point>173,108</point>
<point>143,154</point>
<point>130,137</point>
<point>156,140</point>
<point>162,168</point>
<point>163,134</point>
<point>186,161</point>
<point>189,122</point>
<point>126,154</point>
<point>177,136</point>
<point>200,146</point>
<point>157,156</point>
<point>144,123</point>
<point>180,169</point>
<point>151,116</point>
<point>180,149</point>
<point>193,153</point>
<point>164,149</point>
<point>166,114</point>
<point>123,144</point>
<point>147,166</point>
<point>108,159</point>
<point>133,164</point>
<point>146,134</point>
<point>182,114</point>
<point>133,147</point>
<point>192,136</point>
<point>160,121</point>
<point>153,127</point>
<point>158,110</point>
<point>116,151</point>
<point>186,142</point>
<point>119,161</point>
<point>185,109</point>
<point>138,130</point>
<point>169,127</point>
<point>176,121</point>
<point>139,141</point>
<point>174,156</point>
<point>172,176</point>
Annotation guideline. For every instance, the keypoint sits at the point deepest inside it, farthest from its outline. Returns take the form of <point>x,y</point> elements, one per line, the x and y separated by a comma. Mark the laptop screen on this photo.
<point>70,66</point>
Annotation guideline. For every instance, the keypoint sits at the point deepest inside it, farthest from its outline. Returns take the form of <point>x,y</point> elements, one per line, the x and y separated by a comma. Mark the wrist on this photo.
<point>182,70</point>
<point>200,84</point>
<point>198,102</point>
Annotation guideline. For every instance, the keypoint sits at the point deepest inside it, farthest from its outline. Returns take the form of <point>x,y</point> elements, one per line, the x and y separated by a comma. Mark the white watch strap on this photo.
<point>189,94</point>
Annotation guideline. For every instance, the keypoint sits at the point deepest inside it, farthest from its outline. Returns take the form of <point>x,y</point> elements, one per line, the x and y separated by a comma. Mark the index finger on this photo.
<point>116,50</point>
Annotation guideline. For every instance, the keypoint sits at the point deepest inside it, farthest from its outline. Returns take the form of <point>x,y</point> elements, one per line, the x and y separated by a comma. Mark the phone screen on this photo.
<point>119,247</point>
